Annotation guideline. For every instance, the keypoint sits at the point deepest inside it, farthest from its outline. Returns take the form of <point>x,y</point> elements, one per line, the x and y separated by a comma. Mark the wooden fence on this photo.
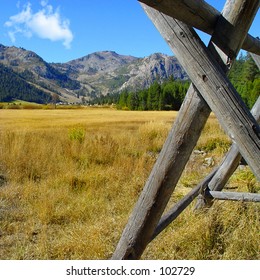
<point>210,90</point>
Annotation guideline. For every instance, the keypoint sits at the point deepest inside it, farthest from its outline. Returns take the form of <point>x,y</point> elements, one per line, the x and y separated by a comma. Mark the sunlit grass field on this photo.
<point>70,178</point>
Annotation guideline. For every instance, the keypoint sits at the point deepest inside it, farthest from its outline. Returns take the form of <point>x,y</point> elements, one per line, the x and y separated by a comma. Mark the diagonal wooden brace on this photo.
<point>201,15</point>
<point>215,181</point>
<point>231,161</point>
<point>215,88</point>
<point>164,176</point>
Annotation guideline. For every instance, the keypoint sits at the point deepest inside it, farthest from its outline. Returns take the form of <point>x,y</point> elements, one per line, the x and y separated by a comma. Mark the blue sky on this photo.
<point>62,30</point>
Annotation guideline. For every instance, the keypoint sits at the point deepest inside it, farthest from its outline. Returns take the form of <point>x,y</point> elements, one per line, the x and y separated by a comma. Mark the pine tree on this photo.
<point>154,96</point>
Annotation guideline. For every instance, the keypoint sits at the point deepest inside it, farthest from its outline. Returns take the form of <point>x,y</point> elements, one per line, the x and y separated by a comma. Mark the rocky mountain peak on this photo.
<point>103,61</point>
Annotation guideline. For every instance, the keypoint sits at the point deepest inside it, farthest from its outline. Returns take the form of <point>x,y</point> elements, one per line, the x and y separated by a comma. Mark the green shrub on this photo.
<point>77,134</point>
<point>215,143</point>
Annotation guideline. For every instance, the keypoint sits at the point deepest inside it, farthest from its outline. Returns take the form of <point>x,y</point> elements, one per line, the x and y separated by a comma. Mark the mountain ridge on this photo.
<point>95,74</point>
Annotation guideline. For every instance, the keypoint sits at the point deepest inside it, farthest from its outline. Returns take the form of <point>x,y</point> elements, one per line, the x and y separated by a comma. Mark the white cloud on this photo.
<point>44,3</point>
<point>21,18</point>
<point>46,24</point>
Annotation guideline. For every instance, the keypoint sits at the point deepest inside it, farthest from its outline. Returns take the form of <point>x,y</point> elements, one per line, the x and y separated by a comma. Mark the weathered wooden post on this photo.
<point>214,86</point>
<point>215,181</point>
<point>228,165</point>
<point>231,161</point>
<point>161,182</point>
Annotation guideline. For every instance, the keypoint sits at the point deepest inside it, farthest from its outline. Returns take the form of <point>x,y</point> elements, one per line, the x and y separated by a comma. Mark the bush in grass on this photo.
<point>77,134</point>
<point>215,143</point>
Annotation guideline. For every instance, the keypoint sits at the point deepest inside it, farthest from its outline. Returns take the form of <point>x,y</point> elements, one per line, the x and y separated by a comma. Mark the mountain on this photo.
<point>37,74</point>
<point>90,76</point>
<point>99,72</point>
<point>154,67</point>
<point>107,72</point>
<point>13,86</point>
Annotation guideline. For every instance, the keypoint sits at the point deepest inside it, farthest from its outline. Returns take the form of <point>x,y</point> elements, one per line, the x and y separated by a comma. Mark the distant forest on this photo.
<point>13,86</point>
<point>166,96</point>
<point>23,86</point>
<point>244,75</point>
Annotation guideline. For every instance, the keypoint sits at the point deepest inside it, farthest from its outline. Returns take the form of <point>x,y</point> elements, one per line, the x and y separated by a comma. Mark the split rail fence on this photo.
<point>210,91</point>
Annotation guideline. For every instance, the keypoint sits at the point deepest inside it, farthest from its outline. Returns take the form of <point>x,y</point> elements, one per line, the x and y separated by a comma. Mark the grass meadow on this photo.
<point>70,178</point>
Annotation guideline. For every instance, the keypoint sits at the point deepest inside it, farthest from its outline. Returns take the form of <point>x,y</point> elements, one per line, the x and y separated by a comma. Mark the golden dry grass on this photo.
<point>70,178</point>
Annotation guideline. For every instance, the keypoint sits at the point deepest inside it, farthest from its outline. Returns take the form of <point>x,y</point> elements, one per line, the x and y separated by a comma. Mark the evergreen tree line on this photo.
<point>245,76</point>
<point>166,96</point>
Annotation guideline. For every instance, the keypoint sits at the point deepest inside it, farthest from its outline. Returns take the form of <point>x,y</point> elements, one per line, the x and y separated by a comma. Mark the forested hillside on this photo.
<point>37,73</point>
<point>13,86</point>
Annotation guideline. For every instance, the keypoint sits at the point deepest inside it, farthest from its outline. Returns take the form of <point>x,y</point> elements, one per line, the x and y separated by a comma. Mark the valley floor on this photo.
<point>70,178</point>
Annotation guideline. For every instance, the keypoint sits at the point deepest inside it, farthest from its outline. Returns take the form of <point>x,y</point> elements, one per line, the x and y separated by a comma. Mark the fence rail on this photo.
<point>234,196</point>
